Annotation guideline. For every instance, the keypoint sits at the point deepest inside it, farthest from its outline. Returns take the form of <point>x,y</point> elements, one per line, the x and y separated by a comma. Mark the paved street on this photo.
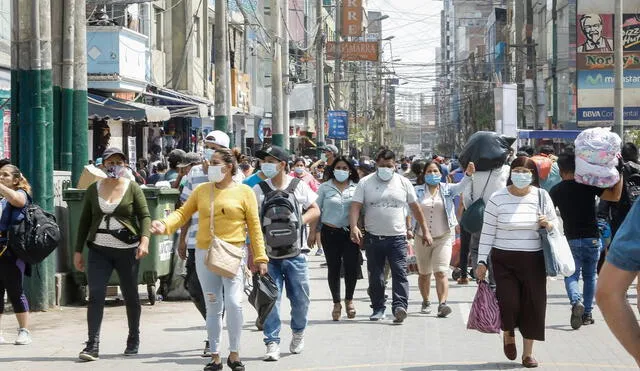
<point>172,335</point>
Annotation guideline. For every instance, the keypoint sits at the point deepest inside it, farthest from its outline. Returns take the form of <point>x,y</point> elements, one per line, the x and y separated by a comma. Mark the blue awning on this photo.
<point>548,134</point>
<point>102,108</point>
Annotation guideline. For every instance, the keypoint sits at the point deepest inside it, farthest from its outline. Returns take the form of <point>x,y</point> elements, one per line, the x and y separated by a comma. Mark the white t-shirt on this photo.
<point>385,204</point>
<point>498,181</point>
<point>303,193</point>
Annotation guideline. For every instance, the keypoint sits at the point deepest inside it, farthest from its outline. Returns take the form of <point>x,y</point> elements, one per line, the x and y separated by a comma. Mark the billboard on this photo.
<point>352,18</point>
<point>595,77</point>
<point>338,125</point>
<point>354,50</point>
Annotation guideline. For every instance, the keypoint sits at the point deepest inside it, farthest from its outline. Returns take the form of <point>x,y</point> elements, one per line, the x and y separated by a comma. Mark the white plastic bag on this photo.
<point>566,266</point>
<point>597,146</point>
<point>596,175</point>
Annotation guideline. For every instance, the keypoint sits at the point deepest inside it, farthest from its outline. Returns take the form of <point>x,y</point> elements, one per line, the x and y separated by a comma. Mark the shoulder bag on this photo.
<point>222,258</point>
<point>473,217</point>
<point>558,259</point>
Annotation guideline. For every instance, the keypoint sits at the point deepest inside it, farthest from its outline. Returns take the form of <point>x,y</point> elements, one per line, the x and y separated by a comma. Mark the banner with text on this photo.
<point>338,125</point>
<point>352,14</point>
<point>595,78</point>
<point>354,51</point>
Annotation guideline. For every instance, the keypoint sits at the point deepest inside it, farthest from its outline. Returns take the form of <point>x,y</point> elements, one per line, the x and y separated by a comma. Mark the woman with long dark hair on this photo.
<point>511,239</point>
<point>334,200</point>
<point>15,192</point>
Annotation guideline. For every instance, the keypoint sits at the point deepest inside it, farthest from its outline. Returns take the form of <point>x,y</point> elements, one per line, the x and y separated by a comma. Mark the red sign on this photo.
<point>354,51</point>
<point>352,18</point>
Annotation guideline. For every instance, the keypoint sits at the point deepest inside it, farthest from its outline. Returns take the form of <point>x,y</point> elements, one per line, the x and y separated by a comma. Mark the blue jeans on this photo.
<point>586,252</point>
<point>294,275</point>
<point>393,249</point>
<point>215,301</point>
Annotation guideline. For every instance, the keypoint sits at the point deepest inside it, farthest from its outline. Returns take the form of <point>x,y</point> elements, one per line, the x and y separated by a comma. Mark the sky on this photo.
<point>416,27</point>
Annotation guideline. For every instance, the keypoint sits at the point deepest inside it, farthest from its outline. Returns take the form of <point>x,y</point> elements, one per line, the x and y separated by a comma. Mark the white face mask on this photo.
<point>208,153</point>
<point>385,173</point>
<point>269,170</point>
<point>299,170</point>
<point>215,173</point>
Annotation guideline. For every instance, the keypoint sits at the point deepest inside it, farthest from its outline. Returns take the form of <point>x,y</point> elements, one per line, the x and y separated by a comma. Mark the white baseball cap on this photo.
<point>217,137</point>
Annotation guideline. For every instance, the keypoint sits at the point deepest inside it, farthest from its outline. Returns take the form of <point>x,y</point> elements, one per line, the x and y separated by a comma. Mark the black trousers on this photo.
<point>192,284</point>
<point>340,251</point>
<point>11,277</point>
<point>101,263</point>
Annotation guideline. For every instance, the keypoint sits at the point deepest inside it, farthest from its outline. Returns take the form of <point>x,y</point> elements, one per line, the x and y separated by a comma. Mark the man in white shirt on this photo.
<point>384,196</point>
<point>288,271</point>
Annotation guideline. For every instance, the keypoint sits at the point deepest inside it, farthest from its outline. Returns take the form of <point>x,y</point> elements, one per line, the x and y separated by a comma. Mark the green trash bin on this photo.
<point>161,202</point>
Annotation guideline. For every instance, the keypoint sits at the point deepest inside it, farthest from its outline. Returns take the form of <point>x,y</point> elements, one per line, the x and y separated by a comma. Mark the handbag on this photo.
<point>263,295</point>
<point>412,260</point>
<point>558,258</point>
<point>485,311</point>
<point>222,258</point>
<point>473,217</point>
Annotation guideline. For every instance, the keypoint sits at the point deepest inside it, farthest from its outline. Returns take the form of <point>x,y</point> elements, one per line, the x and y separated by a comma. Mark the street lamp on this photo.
<point>388,38</point>
<point>382,18</point>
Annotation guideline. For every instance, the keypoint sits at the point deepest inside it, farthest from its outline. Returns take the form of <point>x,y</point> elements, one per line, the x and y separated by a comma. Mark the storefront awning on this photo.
<point>102,108</point>
<point>182,105</point>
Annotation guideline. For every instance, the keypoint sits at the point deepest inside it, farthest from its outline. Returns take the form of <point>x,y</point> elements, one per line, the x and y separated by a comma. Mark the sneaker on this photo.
<point>426,307</point>
<point>443,310</point>
<point>133,343</point>
<point>212,366</point>
<point>320,252</point>
<point>587,319</point>
<point>24,337</point>
<point>377,315</point>
<point>305,250</point>
<point>273,352</point>
<point>400,314</point>
<point>577,311</point>
<point>90,352</point>
<point>297,343</point>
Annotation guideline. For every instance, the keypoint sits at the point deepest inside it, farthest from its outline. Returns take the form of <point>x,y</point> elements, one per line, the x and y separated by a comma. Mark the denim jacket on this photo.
<point>334,205</point>
<point>448,192</point>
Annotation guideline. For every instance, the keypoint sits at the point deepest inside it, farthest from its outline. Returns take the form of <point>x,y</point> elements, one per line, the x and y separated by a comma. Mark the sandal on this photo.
<point>351,309</point>
<point>337,310</point>
<point>529,362</point>
<point>510,350</point>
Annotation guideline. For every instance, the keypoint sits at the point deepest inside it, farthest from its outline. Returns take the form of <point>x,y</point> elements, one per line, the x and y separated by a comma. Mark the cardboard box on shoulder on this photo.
<point>90,175</point>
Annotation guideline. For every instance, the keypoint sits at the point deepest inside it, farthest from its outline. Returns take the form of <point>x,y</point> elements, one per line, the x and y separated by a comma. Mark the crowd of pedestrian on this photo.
<point>274,210</point>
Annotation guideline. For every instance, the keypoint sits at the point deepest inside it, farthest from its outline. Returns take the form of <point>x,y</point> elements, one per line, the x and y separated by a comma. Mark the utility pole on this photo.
<point>221,119</point>
<point>32,131</point>
<point>531,61</point>
<point>338,55</point>
<point>286,91</point>
<point>320,74</point>
<point>618,61</point>
<point>276,76</point>
<point>66,95</point>
<point>80,128</point>
<point>554,63</point>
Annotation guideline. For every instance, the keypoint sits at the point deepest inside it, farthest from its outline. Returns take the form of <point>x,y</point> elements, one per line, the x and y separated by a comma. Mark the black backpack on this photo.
<point>281,221</point>
<point>630,188</point>
<point>34,237</point>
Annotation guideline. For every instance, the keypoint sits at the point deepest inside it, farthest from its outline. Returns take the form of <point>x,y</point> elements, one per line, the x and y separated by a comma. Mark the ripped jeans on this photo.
<point>212,286</point>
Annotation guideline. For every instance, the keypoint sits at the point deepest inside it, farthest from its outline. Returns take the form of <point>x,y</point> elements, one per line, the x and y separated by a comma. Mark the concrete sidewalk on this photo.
<point>172,337</point>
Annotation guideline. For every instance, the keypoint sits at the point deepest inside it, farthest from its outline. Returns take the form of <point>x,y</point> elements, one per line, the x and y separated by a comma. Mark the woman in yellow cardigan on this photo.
<point>235,211</point>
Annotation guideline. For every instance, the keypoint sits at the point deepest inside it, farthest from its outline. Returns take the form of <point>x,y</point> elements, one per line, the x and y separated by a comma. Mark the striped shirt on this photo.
<point>511,222</point>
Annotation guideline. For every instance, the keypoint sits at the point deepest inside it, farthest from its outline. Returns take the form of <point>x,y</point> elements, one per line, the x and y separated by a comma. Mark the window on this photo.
<point>159,29</point>
<point>196,35</point>
<point>5,20</point>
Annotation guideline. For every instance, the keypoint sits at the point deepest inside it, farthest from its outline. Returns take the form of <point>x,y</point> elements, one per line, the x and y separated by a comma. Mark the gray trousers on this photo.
<point>474,245</point>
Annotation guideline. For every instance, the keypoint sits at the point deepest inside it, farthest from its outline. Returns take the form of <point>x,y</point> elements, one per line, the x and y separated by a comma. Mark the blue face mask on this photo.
<point>432,179</point>
<point>385,173</point>
<point>341,175</point>
<point>521,180</point>
<point>269,170</point>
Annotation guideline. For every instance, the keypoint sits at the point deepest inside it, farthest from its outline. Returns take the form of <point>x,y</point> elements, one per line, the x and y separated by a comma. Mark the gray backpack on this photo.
<point>281,221</point>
